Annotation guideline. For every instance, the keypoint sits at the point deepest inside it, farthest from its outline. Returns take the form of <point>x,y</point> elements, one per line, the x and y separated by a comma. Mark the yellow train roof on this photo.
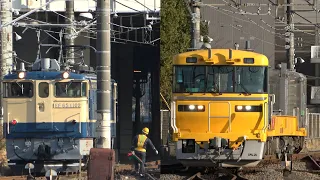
<point>221,57</point>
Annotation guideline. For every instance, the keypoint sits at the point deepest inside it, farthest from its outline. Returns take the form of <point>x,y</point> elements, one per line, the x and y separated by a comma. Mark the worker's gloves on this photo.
<point>156,151</point>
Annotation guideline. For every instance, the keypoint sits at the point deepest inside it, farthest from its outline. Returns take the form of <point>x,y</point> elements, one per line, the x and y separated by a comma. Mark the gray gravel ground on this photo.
<point>274,172</point>
<point>126,175</point>
<point>266,172</point>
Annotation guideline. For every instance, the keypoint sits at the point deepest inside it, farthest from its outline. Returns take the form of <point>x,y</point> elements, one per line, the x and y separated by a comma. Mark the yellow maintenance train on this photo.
<point>220,110</point>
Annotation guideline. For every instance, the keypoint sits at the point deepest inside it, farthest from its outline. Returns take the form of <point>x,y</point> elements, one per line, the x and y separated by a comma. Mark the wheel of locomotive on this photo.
<point>272,144</point>
<point>298,144</point>
<point>282,142</point>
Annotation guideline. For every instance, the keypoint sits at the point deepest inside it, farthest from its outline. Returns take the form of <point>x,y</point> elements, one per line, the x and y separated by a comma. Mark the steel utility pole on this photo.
<point>69,39</point>
<point>103,55</point>
<point>317,42</point>
<point>290,40</point>
<point>103,155</point>
<point>195,24</point>
<point>6,47</point>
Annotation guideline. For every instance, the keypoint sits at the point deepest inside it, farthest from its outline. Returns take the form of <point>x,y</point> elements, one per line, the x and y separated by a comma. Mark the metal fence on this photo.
<point>313,125</point>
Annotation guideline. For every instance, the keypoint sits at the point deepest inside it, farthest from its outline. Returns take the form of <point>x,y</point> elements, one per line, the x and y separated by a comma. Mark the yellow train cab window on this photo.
<point>43,89</point>
<point>18,90</point>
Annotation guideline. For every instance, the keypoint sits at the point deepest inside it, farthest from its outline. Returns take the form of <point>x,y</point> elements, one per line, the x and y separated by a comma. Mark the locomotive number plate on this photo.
<point>66,105</point>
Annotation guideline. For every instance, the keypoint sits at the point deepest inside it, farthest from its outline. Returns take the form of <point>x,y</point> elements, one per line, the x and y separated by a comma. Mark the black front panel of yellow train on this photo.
<point>219,116</point>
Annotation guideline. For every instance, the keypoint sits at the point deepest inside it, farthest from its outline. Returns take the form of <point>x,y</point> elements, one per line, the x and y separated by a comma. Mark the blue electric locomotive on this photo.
<point>50,116</point>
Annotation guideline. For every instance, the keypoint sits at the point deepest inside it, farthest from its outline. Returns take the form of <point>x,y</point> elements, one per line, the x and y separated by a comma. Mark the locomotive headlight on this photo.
<point>192,107</point>
<point>21,75</point>
<point>248,108</point>
<point>65,75</point>
<point>239,108</point>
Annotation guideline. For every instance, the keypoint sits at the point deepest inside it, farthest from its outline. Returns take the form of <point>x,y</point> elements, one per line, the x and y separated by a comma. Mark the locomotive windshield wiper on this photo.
<point>243,87</point>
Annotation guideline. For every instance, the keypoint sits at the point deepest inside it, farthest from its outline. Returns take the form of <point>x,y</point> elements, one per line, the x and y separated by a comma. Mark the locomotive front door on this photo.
<point>44,94</point>
<point>219,120</point>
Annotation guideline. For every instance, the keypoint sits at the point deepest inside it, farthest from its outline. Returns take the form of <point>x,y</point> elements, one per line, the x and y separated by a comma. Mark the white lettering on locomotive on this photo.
<point>66,105</point>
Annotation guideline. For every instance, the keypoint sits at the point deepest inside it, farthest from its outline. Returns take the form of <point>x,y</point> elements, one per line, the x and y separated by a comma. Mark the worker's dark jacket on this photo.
<point>139,143</point>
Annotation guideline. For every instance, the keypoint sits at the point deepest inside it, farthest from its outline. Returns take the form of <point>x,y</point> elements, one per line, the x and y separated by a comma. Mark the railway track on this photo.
<point>316,162</point>
<point>216,175</point>
<point>312,159</point>
<point>170,168</point>
<point>196,176</point>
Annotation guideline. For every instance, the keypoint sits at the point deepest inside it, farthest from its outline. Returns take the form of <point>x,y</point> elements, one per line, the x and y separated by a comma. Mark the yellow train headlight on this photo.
<point>248,108</point>
<point>191,108</point>
<point>200,107</point>
<point>239,108</point>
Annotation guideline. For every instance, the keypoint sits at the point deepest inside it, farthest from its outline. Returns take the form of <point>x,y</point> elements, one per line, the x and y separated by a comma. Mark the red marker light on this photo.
<point>14,122</point>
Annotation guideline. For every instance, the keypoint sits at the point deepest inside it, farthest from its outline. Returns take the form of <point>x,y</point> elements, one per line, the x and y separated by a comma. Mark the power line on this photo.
<point>267,23</point>
<point>238,8</point>
<point>218,9</point>
<point>254,36</point>
<point>296,29</point>
<point>142,5</point>
<point>127,6</point>
<point>90,37</point>
<point>241,11</point>
<point>250,20</point>
<point>279,35</point>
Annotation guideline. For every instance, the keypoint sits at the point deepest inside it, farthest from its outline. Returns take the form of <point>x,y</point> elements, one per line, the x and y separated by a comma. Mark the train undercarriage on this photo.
<point>249,154</point>
<point>278,145</point>
<point>217,153</point>
<point>40,156</point>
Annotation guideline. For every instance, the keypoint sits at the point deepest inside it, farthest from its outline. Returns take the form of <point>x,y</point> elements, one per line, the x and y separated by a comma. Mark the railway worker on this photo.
<point>139,144</point>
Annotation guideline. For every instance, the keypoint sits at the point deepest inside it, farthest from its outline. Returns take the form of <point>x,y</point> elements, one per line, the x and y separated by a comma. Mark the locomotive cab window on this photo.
<point>18,90</point>
<point>189,79</point>
<point>43,89</point>
<point>220,79</point>
<point>70,89</point>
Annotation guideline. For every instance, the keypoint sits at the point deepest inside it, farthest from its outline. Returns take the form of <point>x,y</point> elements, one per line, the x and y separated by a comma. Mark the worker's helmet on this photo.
<point>145,130</point>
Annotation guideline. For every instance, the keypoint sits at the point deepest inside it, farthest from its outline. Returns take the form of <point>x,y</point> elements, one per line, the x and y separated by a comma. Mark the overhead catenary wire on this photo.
<point>126,40</point>
<point>92,30</point>
<point>279,35</point>
<point>233,26</point>
<point>252,21</point>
